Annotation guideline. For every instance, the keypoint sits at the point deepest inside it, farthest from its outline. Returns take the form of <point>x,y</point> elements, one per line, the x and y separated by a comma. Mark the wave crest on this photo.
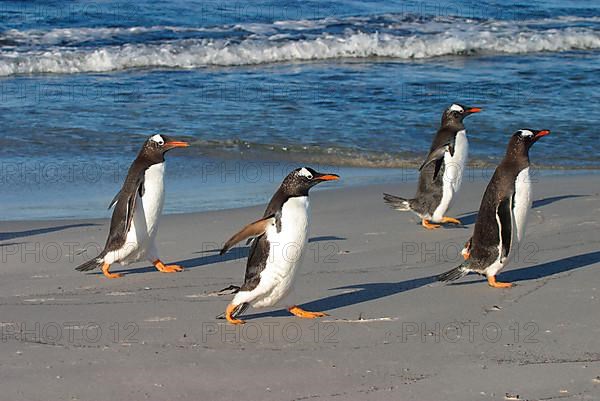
<point>35,52</point>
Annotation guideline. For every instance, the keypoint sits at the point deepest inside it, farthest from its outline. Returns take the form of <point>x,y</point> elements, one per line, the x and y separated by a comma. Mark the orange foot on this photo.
<point>450,220</point>
<point>166,269</point>
<point>108,274</point>
<point>229,311</point>
<point>425,223</point>
<point>466,254</point>
<point>496,284</point>
<point>298,311</point>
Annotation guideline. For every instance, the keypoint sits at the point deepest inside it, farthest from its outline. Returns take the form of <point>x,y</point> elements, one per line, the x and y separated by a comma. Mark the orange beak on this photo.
<point>474,110</point>
<point>542,133</point>
<point>329,177</point>
<point>176,144</point>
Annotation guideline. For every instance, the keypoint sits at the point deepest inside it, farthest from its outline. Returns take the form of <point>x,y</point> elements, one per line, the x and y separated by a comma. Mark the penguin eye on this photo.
<point>309,176</point>
<point>160,142</point>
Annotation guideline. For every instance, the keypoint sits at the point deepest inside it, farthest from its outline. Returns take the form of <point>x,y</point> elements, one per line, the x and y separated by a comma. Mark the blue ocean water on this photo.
<point>260,87</point>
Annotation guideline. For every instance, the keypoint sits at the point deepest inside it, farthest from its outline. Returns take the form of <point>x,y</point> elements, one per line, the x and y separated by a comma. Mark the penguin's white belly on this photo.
<point>454,168</point>
<point>285,253</point>
<point>144,225</point>
<point>522,204</point>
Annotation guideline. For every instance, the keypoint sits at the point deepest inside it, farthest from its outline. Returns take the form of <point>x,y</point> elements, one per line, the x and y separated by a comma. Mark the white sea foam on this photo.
<point>270,43</point>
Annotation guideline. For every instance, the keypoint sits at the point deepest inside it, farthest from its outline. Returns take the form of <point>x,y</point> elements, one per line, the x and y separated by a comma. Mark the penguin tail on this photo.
<point>241,308</point>
<point>91,264</point>
<point>455,273</point>
<point>397,202</point>
<point>232,289</point>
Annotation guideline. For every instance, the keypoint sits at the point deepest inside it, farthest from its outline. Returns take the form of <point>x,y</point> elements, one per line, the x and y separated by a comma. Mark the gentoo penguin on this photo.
<point>138,206</point>
<point>277,249</point>
<point>502,216</point>
<point>442,171</point>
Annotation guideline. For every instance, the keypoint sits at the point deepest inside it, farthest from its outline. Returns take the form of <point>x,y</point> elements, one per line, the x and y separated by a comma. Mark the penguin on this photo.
<point>441,173</point>
<point>138,206</point>
<point>502,217</point>
<point>277,248</point>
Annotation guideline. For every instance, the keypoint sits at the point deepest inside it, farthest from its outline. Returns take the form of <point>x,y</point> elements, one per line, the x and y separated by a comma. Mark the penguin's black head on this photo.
<point>299,181</point>
<point>156,146</point>
<point>527,137</point>
<point>520,143</point>
<point>457,112</point>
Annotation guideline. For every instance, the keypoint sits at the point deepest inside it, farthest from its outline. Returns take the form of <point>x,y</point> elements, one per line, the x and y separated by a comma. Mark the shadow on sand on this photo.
<point>372,291</point>
<point>239,252</point>
<point>470,218</point>
<point>365,293</point>
<point>550,268</point>
<point>20,234</point>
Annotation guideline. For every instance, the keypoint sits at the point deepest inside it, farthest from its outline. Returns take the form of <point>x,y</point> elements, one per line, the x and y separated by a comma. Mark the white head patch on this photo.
<point>525,132</point>
<point>456,107</point>
<point>305,173</point>
<point>158,139</point>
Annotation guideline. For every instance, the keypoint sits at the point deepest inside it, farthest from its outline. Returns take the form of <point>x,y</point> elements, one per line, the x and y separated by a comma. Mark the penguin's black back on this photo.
<point>486,234</point>
<point>429,191</point>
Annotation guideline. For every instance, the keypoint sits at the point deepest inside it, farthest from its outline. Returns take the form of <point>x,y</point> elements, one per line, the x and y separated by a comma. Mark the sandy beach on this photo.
<point>393,332</point>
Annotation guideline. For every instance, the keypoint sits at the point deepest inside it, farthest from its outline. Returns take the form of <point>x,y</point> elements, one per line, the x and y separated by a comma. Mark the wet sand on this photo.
<point>393,332</point>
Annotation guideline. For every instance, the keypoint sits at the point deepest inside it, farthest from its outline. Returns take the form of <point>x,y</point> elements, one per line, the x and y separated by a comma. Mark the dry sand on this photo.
<point>392,334</point>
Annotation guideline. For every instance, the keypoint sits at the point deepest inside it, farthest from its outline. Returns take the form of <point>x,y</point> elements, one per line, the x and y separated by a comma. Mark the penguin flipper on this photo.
<point>434,155</point>
<point>140,190</point>
<point>437,155</point>
<point>254,229</point>
<point>114,200</point>
<point>504,214</point>
<point>124,210</point>
<point>131,206</point>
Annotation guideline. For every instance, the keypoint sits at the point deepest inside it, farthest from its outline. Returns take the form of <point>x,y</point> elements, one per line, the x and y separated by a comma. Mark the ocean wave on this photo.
<point>77,36</point>
<point>68,51</point>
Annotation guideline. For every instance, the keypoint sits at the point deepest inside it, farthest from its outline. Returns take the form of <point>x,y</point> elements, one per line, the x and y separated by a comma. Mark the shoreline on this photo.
<point>218,191</point>
<point>390,331</point>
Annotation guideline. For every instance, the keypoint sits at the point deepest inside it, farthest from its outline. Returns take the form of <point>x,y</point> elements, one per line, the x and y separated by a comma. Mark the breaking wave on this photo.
<point>403,37</point>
